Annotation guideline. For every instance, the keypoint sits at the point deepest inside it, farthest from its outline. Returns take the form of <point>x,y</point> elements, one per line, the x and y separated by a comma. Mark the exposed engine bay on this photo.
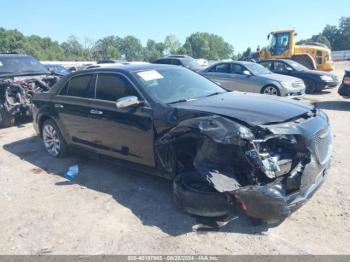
<point>16,95</point>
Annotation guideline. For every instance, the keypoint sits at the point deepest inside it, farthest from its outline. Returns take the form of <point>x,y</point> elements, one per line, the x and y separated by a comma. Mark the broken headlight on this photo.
<point>273,156</point>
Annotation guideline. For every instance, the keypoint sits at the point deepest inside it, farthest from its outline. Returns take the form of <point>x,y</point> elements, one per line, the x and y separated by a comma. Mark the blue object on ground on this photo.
<point>72,172</point>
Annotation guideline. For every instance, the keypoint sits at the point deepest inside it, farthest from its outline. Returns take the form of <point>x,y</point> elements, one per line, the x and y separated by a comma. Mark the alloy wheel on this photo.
<point>51,140</point>
<point>271,90</point>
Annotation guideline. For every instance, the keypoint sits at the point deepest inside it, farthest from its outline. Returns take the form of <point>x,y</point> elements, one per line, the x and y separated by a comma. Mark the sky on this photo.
<point>241,23</point>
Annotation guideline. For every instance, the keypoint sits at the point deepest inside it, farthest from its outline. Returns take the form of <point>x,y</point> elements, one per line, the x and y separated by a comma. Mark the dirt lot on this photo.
<point>111,210</point>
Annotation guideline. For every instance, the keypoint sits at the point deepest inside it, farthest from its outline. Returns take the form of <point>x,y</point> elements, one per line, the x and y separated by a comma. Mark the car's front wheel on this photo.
<point>53,140</point>
<point>271,90</point>
<point>311,86</point>
<point>197,197</point>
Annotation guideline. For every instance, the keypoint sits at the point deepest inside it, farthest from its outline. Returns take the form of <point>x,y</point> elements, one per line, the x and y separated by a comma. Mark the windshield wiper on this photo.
<point>214,94</point>
<point>181,101</point>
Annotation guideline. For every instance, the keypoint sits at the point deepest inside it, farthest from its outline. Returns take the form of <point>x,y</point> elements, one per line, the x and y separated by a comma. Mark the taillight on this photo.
<point>347,80</point>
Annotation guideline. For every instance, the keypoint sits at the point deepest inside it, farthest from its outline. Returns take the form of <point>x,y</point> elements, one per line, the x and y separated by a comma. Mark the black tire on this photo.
<point>305,61</point>
<point>310,86</point>
<point>63,147</point>
<point>197,197</point>
<point>270,87</point>
<point>6,119</point>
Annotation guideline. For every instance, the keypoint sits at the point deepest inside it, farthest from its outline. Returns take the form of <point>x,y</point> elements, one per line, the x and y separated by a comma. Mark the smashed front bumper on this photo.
<point>272,203</point>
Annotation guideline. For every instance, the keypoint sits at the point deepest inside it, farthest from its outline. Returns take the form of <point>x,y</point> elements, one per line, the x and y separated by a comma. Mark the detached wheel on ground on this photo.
<point>310,86</point>
<point>6,119</point>
<point>53,140</point>
<point>197,197</point>
<point>271,90</point>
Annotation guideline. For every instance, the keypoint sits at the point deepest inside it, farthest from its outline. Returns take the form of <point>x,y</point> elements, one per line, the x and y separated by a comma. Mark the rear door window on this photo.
<point>237,69</point>
<point>111,87</point>
<point>79,86</point>
<point>268,65</point>
<point>280,67</point>
<point>221,68</point>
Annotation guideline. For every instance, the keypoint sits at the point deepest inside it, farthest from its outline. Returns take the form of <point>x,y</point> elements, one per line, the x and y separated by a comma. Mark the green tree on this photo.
<point>106,48</point>
<point>208,46</point>
<point>172,44</point>
<point>344,34</point>
<point>153,50</point>
<point>73,49</point>
<point>11,40</point>
<point>131,48</point>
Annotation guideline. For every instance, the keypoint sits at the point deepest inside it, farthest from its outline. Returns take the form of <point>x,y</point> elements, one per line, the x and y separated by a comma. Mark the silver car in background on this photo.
<point>252,77</point>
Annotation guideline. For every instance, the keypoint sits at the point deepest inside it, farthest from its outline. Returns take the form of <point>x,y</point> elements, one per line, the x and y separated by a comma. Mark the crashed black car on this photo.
<point>223,150</point>
<point>21,76</point>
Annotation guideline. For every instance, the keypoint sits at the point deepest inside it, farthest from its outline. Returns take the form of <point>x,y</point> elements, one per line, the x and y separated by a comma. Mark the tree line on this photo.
<point>335,37</point>
<point>198,45</point>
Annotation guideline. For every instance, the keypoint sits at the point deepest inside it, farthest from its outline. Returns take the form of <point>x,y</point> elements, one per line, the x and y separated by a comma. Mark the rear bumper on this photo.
<point>271,203</point>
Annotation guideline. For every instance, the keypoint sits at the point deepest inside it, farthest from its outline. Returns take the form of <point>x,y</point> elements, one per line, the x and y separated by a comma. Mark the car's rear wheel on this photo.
<point>271,90</point>
<point>6,119</point>
<point>197,197</point>
<point>53,140</point>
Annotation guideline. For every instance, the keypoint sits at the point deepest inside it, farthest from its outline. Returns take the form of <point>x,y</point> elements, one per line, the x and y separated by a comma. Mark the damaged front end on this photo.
<point>269,170</point>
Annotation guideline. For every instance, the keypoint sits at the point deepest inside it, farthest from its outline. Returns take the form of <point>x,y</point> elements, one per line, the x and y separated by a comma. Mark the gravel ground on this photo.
<point>112,210</point>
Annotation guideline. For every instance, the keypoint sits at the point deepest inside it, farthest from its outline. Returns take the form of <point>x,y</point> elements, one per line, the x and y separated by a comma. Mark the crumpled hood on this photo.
<point>253,109</point>
<point>279,77</point>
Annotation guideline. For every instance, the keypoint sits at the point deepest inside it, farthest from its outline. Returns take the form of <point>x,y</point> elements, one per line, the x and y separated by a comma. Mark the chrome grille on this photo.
<point>298,84</point>
<point>323,145</point>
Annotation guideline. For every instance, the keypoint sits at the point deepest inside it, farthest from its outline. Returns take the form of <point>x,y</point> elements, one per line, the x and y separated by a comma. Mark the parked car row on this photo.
<point>250,77</point>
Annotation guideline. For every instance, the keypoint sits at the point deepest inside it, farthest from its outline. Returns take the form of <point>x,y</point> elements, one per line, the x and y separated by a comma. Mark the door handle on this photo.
<point>96,112</point>
<point>59,106</point>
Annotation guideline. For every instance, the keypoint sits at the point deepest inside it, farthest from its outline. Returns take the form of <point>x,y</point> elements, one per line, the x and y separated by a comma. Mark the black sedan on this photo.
<point>315,81</point>
<point>223,150</point>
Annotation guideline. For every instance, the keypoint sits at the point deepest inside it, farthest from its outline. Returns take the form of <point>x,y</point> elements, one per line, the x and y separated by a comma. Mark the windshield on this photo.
<point>176,84</point>
<point>279,43</point>
<point>257,69</point>
<point>297,66</point>
<point>20,65</point>
<point>58,69</point>
<point>192,64</point>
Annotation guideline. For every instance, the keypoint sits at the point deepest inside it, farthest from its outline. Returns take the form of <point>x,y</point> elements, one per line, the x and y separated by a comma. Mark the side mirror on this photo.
<point>289,69</point>
<point>247,73</point>
<point>127,101</point>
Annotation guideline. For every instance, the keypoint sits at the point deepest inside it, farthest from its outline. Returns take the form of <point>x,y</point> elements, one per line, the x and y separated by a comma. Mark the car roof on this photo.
<point>234,61</point>
<point>273,60</point>
<point>127,68</point>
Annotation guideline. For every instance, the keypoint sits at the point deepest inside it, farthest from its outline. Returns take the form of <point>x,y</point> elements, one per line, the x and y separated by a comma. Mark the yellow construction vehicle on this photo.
<point>282,46</point>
